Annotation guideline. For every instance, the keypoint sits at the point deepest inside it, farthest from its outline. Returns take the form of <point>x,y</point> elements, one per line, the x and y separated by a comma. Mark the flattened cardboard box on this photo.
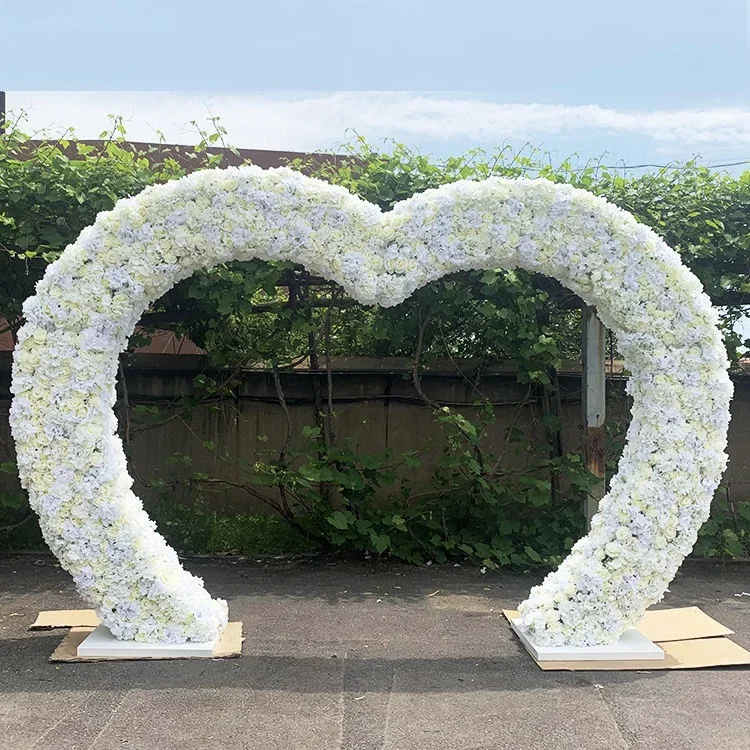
<point>82,621</point>
<point>228,646</point>
<point>689,638</point>
<point>65,618</point>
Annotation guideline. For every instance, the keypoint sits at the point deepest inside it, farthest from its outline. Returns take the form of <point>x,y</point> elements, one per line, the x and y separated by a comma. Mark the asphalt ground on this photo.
<point>360,656</point>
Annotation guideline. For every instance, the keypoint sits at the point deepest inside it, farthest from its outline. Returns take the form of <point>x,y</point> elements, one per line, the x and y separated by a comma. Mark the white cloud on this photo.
<point>315,121</point>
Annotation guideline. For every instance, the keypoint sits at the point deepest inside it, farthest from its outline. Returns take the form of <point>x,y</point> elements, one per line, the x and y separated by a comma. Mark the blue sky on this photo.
<point>642,80</point>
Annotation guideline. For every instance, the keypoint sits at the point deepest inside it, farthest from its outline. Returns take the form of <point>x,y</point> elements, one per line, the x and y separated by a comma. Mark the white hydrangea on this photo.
<point>73,466</point>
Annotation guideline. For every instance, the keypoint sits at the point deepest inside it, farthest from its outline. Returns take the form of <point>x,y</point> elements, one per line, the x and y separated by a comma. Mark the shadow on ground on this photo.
<point>361,656</point>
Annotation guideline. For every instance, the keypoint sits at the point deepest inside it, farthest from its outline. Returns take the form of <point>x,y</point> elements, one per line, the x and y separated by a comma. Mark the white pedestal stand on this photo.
<point>100,642</point>
<point>632,646</point>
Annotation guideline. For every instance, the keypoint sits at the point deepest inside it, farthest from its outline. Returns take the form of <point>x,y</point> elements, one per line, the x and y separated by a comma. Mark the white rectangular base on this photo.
<point>632,646</point>
<point>100,642</point>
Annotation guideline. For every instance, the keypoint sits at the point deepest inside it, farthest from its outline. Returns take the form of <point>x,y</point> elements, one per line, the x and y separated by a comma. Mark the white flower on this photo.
<point>73,465</point>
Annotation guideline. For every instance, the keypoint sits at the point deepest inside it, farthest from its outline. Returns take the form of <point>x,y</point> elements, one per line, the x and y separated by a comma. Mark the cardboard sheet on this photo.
<point>696,653</point>
<point>689,638</point>
<point>65,618</point>
<point>680,624</point>
<point>229,646</point>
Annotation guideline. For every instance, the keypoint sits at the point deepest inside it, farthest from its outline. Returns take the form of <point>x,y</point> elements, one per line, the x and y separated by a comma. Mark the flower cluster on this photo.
<point>72,463</point>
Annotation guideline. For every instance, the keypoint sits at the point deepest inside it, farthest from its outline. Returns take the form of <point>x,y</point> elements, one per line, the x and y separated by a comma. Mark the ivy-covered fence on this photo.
<point>325,489</point>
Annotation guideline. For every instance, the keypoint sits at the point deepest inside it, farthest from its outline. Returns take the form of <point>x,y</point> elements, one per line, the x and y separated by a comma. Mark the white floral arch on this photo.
<point>72,463</point>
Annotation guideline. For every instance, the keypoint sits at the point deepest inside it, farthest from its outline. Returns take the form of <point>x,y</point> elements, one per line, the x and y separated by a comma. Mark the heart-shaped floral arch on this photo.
<point>72,463</point>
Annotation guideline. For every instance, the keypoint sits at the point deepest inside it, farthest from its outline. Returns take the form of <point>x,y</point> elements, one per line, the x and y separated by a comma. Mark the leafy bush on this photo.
<point>727,532</point>
<point>276,316</point>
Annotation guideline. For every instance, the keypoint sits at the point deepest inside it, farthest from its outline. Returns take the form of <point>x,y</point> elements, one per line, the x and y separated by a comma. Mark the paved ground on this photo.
<point>361,657</point>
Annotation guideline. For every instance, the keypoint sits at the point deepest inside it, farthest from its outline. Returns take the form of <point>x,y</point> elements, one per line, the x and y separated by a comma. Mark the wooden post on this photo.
<point>594,406</point>
<point>2,112</point>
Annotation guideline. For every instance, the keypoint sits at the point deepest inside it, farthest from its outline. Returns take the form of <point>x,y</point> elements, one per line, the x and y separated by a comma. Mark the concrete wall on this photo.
<point>375,404</point>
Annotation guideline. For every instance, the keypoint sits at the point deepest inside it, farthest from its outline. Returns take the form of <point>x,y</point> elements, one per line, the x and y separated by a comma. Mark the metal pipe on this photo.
<point>594,407</point>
